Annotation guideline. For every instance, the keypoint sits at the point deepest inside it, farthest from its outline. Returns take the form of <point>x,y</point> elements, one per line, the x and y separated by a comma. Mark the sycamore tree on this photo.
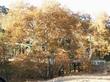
<point>30,30</point>
<point>101,36</point>
<point>56,29</point>
<point>32,34</point>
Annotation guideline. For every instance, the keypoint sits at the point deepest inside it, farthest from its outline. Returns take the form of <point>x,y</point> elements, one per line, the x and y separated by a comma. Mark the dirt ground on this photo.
<point>80,78</point>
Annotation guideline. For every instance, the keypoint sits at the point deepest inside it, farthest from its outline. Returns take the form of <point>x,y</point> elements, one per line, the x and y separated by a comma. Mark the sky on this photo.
<point>93,7</point>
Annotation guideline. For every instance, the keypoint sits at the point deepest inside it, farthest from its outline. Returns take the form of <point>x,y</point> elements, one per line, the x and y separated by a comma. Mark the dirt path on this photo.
<point>82,78</point>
